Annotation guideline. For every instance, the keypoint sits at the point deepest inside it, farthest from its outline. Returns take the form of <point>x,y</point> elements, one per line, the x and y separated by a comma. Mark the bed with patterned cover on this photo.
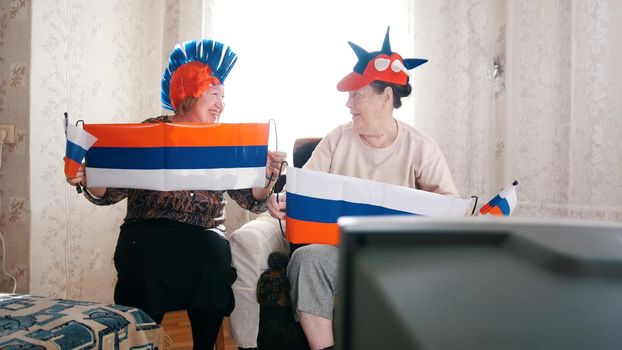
<point>32,322</point>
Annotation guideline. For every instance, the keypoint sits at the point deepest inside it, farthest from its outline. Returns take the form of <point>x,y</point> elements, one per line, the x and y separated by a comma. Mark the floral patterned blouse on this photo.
<point>200,208</point>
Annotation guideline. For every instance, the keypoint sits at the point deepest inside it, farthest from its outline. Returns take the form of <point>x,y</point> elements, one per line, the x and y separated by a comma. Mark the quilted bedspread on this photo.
<point>32,322</point>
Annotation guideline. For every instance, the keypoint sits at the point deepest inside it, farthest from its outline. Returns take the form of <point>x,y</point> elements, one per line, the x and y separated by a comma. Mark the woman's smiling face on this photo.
<point>209,105</point>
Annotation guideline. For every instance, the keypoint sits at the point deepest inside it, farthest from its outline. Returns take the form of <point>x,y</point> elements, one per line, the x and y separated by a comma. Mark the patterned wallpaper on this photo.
<point>15,22</point>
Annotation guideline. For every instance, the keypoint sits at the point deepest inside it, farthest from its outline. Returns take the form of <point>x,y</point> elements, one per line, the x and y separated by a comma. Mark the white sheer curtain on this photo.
<point>564,107</point>
<point>555,128</point>
<point>455,94</point>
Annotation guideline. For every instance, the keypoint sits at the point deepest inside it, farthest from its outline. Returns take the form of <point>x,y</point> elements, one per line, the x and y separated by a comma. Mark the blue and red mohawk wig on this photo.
<point>194,67</point>
<point>384,65</point>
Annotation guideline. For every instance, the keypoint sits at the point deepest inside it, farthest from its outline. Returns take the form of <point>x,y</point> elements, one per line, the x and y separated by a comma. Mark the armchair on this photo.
<point>251,245</point>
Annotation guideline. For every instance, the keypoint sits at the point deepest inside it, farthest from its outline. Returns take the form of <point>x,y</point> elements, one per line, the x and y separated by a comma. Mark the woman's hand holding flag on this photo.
<point>79,178</point>
<point>276,205</point>
<point>273,168</point>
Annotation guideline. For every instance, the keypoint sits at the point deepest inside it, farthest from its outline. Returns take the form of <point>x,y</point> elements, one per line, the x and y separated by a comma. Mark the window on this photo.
<point>293,53</point>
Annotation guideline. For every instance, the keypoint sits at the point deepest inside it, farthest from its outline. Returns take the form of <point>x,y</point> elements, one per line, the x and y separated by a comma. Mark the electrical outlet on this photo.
<point>10,132</point>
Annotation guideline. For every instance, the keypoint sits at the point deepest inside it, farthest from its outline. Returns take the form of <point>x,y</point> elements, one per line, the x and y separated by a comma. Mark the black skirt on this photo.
<point>165,265</point>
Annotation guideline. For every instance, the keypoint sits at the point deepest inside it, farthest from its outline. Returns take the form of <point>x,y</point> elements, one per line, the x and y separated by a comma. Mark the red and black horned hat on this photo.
<point>384,65</point>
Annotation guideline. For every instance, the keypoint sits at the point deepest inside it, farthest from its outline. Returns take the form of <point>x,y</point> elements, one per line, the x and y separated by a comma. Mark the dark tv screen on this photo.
<point>420,283</point>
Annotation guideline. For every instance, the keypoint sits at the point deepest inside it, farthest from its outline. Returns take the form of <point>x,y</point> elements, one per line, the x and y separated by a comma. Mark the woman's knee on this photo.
<point>314,259</point>
<point>312,254</point>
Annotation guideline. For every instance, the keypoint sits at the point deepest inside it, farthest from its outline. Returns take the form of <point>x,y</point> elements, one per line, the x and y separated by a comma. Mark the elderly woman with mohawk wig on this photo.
<point>172,253</point>
<point>373,146</point>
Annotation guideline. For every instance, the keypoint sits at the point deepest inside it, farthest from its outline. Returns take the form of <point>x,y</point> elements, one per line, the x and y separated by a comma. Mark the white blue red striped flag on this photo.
<point>315,201</point>
<point>172,157</point>
<point>78,143</point>
<point>502,204</point>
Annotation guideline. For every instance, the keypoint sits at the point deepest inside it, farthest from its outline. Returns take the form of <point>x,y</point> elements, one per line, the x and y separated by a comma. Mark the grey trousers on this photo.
<point>312,273</point>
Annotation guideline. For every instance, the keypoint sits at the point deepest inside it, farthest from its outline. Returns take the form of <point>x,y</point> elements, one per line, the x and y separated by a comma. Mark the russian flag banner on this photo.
<point>315,201</point>
<point>78,143</point>
<point>173,157</point>
<point>502,204</point>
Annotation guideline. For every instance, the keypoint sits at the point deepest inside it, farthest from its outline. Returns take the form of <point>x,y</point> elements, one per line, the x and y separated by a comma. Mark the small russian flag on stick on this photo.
<point>78,142</point>
<point>502,204</point>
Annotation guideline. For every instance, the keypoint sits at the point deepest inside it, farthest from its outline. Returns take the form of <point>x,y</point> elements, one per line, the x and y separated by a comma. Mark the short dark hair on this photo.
<point>185,105</point>
<point>399,91</point>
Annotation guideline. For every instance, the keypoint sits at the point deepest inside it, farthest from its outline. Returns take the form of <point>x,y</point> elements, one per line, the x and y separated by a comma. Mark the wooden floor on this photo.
<point>177,326</point>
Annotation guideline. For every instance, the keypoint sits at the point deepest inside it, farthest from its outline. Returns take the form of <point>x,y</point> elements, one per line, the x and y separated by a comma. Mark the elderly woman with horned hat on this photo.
<point>375,146</point>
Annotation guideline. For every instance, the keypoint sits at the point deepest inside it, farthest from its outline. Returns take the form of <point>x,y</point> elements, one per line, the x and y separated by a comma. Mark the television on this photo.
<point>409,282</point>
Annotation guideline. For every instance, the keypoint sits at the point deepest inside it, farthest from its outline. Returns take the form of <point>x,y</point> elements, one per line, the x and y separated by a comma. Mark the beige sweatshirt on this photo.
<point>412,160</point>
